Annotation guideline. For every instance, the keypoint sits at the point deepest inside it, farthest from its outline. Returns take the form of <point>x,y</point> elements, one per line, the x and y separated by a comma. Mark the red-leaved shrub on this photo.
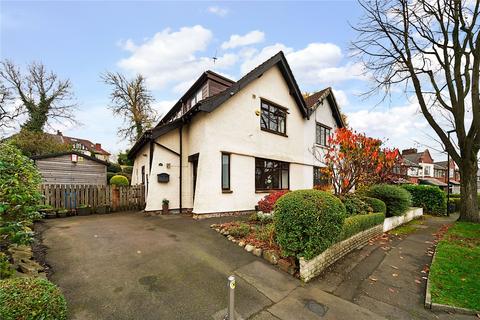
<point>266,204</point>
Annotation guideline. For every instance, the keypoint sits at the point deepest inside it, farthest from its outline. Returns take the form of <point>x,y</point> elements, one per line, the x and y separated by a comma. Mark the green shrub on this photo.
<point>240,230</point>
<point>114,167</point>
<point>6,270</point>
<point>19,195</point>
<point>377,205</point>
<point>119,180</point>
<point>359,223</point>
<point>307,222</point>
<point>33,143</point>
<point>127,169</point>
<point>430,198</point>
<point>355,205</point>
<point>397,199</point>
<point>31,298</point>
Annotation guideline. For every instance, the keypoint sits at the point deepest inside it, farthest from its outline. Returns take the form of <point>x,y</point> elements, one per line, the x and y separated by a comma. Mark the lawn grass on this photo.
<point>455,273</point>
<point>407,228</point>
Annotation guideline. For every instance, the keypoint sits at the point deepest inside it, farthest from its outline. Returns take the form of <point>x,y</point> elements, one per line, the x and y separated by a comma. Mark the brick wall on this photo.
<point>312,268</point>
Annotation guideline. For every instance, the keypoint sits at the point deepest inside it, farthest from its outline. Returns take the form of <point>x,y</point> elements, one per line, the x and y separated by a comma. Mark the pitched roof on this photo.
<point>71,140</point>
<point>279,60</point>
<point>195,86</point>
<point>413,157</point>
<point>58,154</point>
<point>313,100</point>
<point>211,103</point>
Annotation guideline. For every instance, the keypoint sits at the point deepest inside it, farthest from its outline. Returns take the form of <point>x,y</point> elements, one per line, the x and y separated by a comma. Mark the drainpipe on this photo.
<point>181,169</point>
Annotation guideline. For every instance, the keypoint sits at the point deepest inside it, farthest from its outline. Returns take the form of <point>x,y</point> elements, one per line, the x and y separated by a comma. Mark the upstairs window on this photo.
<point>273,118</point>
<point>322,134</point>
<point>271,175</point>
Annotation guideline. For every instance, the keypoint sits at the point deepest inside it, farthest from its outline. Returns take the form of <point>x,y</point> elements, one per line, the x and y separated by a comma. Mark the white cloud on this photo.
<point>401,124</point>
<point>172,57</point>
<point>250,38</point>
<point>341,98</point>
<point>260,56</point>
<point>317,63</point>
<point>222,12</point>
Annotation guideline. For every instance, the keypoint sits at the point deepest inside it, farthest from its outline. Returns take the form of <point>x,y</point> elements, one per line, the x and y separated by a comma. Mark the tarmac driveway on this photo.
<point>128,266</point>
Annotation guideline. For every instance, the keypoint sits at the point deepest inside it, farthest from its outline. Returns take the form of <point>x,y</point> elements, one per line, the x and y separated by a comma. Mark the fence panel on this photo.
<point>120,198</point>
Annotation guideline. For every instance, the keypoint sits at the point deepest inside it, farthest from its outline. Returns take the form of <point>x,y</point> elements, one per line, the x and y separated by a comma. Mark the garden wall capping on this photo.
<point>393,222</point>
<point>309,269</point>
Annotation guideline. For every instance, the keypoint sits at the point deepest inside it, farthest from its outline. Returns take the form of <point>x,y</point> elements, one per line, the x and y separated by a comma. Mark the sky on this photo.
<point>172,43</point>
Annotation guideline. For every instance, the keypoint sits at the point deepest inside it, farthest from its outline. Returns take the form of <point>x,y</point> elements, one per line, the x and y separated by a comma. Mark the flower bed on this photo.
<point>258,238</point>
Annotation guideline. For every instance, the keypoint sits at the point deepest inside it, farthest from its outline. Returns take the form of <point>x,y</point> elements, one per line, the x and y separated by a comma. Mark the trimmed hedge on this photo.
<point>119,180</point>
<point>31,298</point>
<point>377,205</point>
<point>355,205</point>
<point>359,223</point>
<point>307,222</point>
<point>397,199</point>
<point>430,198</point>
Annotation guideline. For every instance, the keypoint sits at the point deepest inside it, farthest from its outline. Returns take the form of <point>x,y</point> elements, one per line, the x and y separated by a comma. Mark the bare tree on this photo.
<point>43,96</point>
<point>7,115</point>
<point>131,100</point>
<point>432,48</point>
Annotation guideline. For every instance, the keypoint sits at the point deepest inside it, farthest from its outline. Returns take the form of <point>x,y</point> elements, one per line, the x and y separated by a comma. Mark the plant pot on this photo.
<point>84,211</point>
<point>165,209</point>
<point>62,213</point>
<point>103,209</point>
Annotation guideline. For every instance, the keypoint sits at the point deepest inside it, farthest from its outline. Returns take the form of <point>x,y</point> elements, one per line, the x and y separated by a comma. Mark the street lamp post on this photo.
<point>448,175</point>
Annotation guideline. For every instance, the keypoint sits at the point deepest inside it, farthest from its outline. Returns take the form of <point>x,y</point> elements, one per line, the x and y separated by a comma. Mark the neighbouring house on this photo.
<point>72,168</point>
<point>422,169</point>
<point>84,146</point>
<point>225,144</point>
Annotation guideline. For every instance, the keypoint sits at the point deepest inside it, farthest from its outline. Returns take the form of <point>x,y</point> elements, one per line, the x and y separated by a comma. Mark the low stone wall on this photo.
<point>393,222</point>
<point>312,268</point>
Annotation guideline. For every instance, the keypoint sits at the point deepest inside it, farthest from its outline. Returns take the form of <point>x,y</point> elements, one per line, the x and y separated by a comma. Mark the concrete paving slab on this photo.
<point>310,303</point>
<point>273,283</point>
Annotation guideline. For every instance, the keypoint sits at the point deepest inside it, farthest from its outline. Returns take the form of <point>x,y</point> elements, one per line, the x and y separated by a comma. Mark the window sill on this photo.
<point>275,132</point>
<point>270,190</point>
<point>227,191</point>
<point>321,146</point>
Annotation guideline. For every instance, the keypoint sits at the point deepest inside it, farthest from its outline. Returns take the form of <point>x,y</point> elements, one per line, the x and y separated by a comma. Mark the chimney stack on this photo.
<point>409,151</point>
<point>98,146</point>
<point>59,133</point>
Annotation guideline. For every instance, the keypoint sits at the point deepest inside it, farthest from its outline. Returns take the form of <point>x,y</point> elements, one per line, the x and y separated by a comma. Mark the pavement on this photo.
<point>131,266</point>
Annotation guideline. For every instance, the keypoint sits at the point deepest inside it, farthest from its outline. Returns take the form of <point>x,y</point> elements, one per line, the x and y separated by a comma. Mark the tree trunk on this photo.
<point>469,210</point>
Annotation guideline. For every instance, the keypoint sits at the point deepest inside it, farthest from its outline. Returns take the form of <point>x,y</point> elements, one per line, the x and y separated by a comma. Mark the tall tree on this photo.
<point>431,47</point>
<point>354,160</point>
<point>43,96</point>
<point>131,100</point>
<point>7,115</point>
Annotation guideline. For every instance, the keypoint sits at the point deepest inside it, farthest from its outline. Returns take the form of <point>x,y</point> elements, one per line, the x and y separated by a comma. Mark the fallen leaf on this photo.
<point>418,281</point>
<point>373,279</point>
<point>395,274</point>
<point>401,257</point>
<point>391,290</point>
<point>394,267</point>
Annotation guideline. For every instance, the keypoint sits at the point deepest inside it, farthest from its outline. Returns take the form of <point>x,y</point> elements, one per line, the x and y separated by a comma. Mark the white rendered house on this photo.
<point>224,145</point>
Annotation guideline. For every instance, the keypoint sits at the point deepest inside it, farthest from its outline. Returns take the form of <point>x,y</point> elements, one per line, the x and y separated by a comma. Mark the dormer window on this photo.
<point>273,118</point>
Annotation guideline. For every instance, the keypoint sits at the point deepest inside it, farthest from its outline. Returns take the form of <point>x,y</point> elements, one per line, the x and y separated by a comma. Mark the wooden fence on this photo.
<point>119,198</point>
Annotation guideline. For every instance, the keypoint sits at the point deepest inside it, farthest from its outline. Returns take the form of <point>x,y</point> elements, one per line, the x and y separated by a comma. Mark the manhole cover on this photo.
<point>315,307</point>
